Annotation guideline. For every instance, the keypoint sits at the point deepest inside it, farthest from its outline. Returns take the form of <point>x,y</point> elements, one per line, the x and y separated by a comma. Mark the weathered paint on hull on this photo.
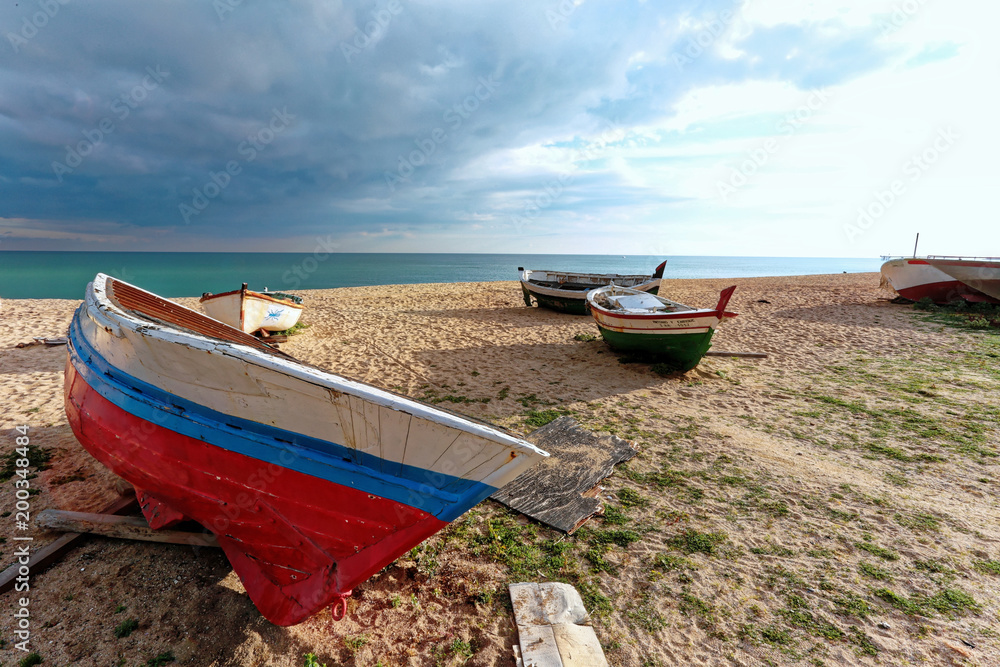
<point>303,518</point>
<point>942,292</point>
<point>683,351</point>
<point>341,536</point>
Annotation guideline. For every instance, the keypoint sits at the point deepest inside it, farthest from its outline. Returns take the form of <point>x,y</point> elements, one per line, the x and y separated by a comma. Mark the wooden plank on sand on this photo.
<point>561,491</point>
<point>553,627</point>
<point>123,527</point>
<point>41,559</point>
<point>748,355</point>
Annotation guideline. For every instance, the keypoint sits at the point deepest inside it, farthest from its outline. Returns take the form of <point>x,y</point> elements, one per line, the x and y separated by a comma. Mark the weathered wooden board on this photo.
<point>124,527</point>
<point>578,645</point>
<point>47,342</point>
<point>561,491</point>
<point>746,355</point>
<point>42,558</point>
<point>553,627</point>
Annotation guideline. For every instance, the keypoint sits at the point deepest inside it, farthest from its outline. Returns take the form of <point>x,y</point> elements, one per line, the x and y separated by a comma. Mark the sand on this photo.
<point>856,463</point>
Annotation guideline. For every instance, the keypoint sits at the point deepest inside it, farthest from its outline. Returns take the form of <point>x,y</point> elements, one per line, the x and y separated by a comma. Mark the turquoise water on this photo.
<point>64,275</point>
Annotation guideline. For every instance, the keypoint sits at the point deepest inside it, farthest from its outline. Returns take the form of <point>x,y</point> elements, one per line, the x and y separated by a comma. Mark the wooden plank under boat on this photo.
<point>249,311</point>
<point>311,482</point>
<point>638,322</point>
<point>566,291</point>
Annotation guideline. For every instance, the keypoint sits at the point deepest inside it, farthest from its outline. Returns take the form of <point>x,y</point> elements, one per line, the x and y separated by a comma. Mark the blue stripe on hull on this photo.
<point>342,465</point>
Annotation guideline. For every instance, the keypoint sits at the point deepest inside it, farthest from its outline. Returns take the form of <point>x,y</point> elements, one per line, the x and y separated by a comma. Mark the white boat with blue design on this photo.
<point>250,311</point>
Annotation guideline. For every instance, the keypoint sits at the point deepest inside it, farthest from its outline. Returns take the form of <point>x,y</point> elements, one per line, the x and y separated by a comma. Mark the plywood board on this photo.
<point>561,491</point>
<point>553,627</point>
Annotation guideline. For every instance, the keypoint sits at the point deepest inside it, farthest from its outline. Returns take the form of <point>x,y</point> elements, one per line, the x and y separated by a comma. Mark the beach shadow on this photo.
<point>505,316</point>
<point>553,372</point>
<point>184,599</point>
<point>34,359</point>
<point>857,314</point>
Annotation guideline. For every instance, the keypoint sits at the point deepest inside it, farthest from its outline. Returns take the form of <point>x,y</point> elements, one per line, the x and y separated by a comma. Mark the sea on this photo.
<point>64,275</point>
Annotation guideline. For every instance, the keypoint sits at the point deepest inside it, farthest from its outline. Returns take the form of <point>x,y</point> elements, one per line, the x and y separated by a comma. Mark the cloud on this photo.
<point>411,120</point>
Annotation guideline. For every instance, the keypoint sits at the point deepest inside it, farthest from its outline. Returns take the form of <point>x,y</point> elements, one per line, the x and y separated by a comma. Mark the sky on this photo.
<point>769,127</point>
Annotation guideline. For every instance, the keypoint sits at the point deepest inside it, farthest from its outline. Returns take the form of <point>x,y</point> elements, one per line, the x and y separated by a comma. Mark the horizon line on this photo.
<point>306,252</point>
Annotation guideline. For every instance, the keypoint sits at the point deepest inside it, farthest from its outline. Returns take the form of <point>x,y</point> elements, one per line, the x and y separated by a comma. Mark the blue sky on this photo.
<point>820,128</point>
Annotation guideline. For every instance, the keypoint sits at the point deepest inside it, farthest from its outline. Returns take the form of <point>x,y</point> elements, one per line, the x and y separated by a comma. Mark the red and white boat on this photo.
<point>311,482</point>
<point>980,273</point>
<point>916,278</point>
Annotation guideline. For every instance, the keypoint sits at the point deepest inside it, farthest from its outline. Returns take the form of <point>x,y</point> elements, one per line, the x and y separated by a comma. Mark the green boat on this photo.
<point>656,327</point>
<point>566,291</point>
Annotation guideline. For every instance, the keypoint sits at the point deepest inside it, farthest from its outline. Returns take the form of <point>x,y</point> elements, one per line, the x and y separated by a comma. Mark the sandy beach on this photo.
<point>833,504</point>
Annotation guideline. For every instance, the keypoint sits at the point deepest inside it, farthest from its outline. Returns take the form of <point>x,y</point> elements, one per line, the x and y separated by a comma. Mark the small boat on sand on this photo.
<point>249,311</point>
<point>917,278</point>
<point>982,274</point>
<point>311,482</point>
<point>651,325</point>
<point>566,291</point>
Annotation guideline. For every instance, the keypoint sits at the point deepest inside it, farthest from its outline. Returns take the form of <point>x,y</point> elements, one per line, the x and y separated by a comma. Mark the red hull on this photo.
<point>943,292</point>
<point>261,513</point>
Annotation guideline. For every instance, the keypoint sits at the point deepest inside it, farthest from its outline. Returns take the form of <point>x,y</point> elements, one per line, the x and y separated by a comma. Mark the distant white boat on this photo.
<point>249,311</point>
<point>917,278</point>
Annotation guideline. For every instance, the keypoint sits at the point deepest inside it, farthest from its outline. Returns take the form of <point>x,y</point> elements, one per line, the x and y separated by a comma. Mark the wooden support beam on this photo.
<point>748,355</point>
<point>122,527</point>
<point>41,559</point>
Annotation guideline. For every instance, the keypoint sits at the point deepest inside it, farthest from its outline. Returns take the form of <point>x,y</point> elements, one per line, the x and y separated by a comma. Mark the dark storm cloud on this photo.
<point>264,119</point>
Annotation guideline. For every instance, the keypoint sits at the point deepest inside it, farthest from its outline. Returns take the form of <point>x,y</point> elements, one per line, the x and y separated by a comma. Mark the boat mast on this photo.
<point>915,245</point>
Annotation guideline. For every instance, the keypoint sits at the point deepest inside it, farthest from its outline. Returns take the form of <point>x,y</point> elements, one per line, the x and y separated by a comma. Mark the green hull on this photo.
<point>682,351</point>
<point>568,304</point>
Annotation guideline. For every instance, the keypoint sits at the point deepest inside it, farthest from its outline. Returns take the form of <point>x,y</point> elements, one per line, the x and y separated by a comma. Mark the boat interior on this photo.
<point>632,301</point>
<point>157,310</point>
<point>583,282</point>
<point>572,287</point>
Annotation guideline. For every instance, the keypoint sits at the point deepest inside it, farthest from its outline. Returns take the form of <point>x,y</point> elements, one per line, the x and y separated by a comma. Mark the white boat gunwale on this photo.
<point>598,280</point>
<point>315,455</point>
